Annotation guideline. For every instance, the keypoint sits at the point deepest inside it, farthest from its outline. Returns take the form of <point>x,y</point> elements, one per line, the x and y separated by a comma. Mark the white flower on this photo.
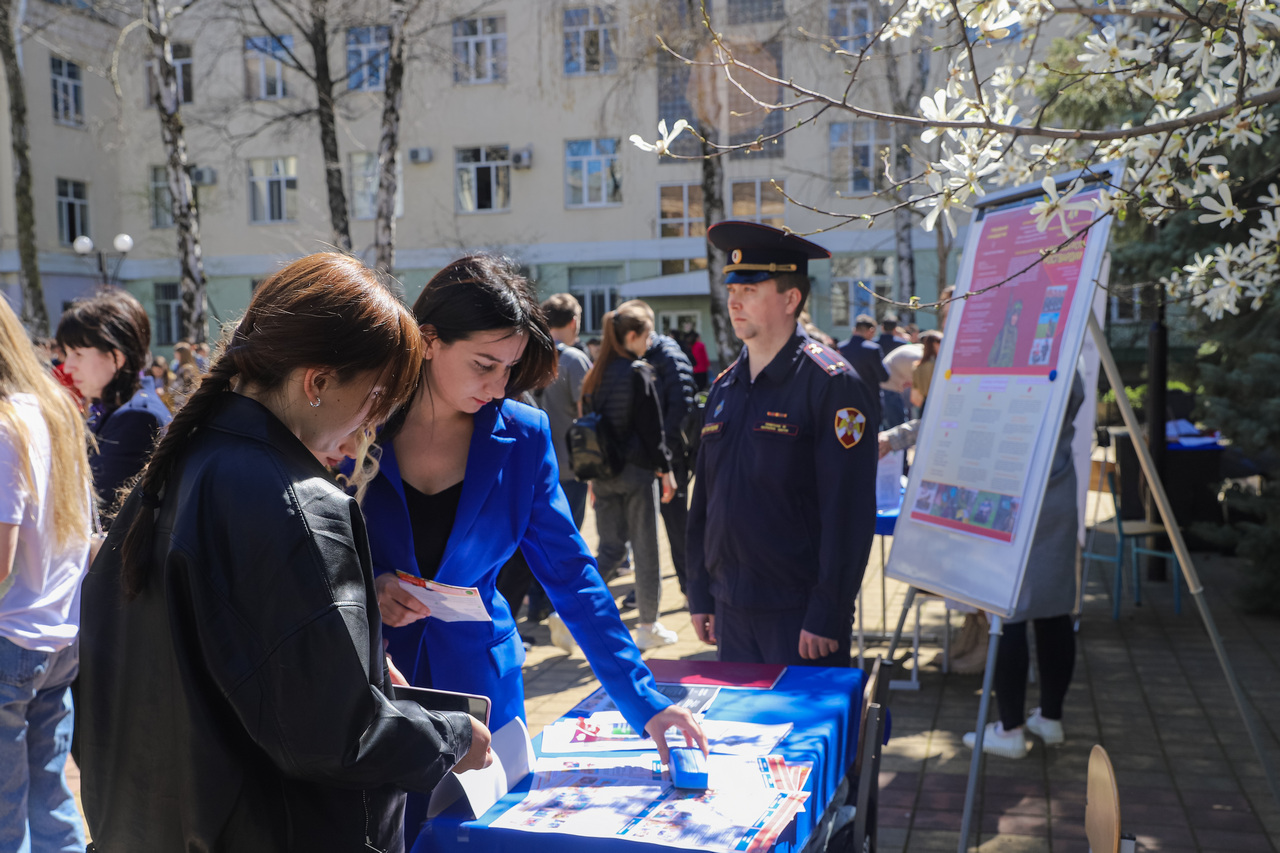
<point>935,109</point>
<point>1060,206</point>
<point>1103,52</point>
<point>1225,213</point>
<point>1160,85</point>
<point>1000,27</point>
<point>1272,198</point>
<point>943,199</point>
<point>663,145</point>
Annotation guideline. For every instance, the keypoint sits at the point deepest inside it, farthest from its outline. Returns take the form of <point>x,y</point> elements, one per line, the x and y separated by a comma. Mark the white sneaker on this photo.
<point>652,636</point>
<point>560,636</point>
<point>1049,731</point>
<point>996,741</point>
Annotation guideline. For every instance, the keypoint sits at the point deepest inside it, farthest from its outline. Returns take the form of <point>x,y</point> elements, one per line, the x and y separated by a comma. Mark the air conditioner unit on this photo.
<point>204,176</point>
<point>523,159</point>
<point>419,155</point>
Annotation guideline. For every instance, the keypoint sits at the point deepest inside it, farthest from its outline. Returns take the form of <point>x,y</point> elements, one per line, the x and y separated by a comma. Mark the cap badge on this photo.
<point>736,257</point>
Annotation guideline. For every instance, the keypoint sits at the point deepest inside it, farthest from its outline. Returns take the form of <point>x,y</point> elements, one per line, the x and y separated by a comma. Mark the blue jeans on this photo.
<point>37,811</point>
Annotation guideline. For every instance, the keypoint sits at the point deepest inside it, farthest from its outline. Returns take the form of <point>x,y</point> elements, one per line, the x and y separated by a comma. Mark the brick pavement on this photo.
<point>1147,687</point>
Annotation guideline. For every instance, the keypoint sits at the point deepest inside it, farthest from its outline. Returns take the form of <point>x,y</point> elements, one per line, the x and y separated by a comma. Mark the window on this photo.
<point>273,189</point>
<point>855,148</point>
<point>73,210</point>
<point>748,121</point>
<point>592,175</point>
<point>680,211</point>
<point>759,201</point>
<point>480,50</point>
<point>68,95</point>
<point>839,303</point>
<point>683,265</point>
<point>367,52</point>
<point>677,324</point>
<point>168,320</point>
<point>161,198</point>
<point>364,185</point>
<point>589,35</point>
<point>1126,305</point>
<point>851,24</point>
<point>754,11</point>
<point>674,104</point>
<point>854,278</point>
<point>596,289</point>
<point>483,178</point>
<point>181,65</point>
<point>264,61</point>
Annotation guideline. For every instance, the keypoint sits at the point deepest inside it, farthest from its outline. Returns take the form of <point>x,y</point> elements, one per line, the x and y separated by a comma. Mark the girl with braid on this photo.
<point>234,688</point>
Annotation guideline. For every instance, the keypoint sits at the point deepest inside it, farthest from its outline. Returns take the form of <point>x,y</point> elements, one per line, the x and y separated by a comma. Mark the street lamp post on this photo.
<point>122,243</point>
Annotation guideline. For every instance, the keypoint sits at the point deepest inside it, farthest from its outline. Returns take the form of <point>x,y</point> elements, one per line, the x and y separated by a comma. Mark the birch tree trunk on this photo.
<point>384,234</point>
<point>727,343</point>
<point>193,311</point>
<point>904,100</point>
<point>34,314</point>
<point>318,39</point>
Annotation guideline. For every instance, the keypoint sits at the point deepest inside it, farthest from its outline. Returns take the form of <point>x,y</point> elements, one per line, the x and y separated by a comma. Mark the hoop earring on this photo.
<point>314,405</point>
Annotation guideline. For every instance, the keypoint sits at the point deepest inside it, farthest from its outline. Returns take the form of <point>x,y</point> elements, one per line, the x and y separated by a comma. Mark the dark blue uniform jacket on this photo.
<point>784,502</point>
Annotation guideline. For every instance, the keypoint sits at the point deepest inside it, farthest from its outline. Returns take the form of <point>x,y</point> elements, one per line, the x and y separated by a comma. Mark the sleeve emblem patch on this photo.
<point>850,425</point>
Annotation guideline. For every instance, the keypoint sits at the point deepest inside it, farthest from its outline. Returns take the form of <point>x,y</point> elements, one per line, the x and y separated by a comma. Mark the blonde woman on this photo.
<point>45,519</point>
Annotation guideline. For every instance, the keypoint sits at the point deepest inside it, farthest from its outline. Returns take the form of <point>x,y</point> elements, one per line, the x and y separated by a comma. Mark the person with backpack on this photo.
<point>622,390</point>
<point>676,390</point>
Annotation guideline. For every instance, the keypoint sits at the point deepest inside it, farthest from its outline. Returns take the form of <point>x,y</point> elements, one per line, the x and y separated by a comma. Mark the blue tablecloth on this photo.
<point>886,520</point>
<point>824,705</point>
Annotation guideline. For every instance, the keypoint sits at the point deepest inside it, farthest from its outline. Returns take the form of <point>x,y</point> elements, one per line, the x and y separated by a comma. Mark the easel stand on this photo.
<point>1188,572</point>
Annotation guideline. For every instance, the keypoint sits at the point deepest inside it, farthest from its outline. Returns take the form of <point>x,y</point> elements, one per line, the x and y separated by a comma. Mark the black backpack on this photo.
<point>594,453</point>
<point>691,428</point>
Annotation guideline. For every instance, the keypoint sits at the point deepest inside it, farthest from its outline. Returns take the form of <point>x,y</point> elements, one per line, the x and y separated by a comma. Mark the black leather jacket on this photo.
<point>241,702</point>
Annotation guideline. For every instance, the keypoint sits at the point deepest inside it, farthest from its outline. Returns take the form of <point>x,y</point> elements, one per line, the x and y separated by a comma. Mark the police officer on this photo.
<point>866,357</point>
<point>784,496</point>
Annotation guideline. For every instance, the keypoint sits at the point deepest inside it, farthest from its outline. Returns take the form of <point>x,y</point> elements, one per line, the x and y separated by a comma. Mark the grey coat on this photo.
<point>1049,587</point>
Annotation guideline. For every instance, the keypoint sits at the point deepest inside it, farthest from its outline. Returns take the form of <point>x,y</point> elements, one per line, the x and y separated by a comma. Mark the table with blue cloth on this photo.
<point>824,705</point>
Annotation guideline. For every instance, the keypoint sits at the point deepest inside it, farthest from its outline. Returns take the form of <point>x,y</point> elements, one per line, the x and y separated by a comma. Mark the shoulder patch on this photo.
<point>830,360</point>
<point>722,373</point>
<point>850,425</point>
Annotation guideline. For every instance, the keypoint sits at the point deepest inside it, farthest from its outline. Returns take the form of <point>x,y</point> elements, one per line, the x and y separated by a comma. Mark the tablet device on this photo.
<point>446,700</point>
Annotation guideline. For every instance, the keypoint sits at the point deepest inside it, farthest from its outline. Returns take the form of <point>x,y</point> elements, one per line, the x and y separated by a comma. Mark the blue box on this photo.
<point>688,768</point>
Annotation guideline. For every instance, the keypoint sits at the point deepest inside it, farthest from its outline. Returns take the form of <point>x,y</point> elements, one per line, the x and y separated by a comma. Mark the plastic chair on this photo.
<point>1131,531</point>
<point>1102,807</point>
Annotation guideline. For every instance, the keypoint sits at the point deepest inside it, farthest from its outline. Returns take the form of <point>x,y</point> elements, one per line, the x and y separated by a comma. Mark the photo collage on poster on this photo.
<point>1047,326</point>
<point>956,506</point>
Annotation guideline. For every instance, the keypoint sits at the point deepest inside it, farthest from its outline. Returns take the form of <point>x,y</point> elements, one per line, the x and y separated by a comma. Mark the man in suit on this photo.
<point>865,356</point>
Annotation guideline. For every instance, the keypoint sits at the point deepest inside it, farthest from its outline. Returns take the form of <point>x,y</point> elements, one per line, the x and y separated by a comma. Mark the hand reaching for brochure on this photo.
<point>480,756</point>
<point>674,715</point>
<point>396,604</point>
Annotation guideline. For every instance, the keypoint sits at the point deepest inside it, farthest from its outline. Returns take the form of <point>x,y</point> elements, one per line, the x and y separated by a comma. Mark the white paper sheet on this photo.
<point>749,803</point>
<point>889,480</point>
<point>608,731</point>
<point>512,760</point>
<point>447,603</point>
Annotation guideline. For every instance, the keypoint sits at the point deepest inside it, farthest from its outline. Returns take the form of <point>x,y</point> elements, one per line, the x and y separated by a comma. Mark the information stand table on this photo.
<point>823,704</point>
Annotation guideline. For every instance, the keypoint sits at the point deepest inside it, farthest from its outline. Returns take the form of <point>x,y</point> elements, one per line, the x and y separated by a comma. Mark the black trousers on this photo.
<point>675,518</point>
<point>1055,657</point>
<point>770,636</point>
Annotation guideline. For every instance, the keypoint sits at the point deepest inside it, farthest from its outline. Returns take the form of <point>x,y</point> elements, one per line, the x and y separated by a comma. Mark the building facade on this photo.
<point>513,139</point>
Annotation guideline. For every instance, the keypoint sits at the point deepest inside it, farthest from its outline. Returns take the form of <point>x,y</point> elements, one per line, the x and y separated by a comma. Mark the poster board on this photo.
<point>998,397</point>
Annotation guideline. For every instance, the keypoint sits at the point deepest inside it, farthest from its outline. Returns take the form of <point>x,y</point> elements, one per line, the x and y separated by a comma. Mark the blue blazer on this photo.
<point>511,498</point>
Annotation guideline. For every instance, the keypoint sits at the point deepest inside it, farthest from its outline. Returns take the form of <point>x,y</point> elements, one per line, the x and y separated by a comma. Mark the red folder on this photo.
<point>759,676</point>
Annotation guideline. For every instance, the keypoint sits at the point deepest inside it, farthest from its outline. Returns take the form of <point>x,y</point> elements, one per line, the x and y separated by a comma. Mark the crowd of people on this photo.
<point>204,555</point>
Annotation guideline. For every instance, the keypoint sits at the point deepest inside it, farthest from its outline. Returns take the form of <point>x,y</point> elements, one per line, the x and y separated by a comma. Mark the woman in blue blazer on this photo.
<point>464,478</point>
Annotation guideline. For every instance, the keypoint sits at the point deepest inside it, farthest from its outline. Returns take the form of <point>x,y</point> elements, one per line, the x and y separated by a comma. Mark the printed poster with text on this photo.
<point>995,394</point>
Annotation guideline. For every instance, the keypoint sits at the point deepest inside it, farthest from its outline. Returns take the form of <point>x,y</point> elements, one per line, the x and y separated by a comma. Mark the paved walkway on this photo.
<point>1147,687</point>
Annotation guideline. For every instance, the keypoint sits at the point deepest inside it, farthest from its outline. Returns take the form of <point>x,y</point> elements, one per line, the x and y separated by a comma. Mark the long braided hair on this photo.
<point>326,310</point>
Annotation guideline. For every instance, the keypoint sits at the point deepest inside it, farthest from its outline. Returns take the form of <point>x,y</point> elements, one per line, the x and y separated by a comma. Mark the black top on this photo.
<point>431,518</point>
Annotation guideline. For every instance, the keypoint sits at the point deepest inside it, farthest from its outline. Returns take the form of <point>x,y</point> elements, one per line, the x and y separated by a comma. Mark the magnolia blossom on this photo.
<point>663,145</point>
<point>1059,207</point>
<point>1225,212</point>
